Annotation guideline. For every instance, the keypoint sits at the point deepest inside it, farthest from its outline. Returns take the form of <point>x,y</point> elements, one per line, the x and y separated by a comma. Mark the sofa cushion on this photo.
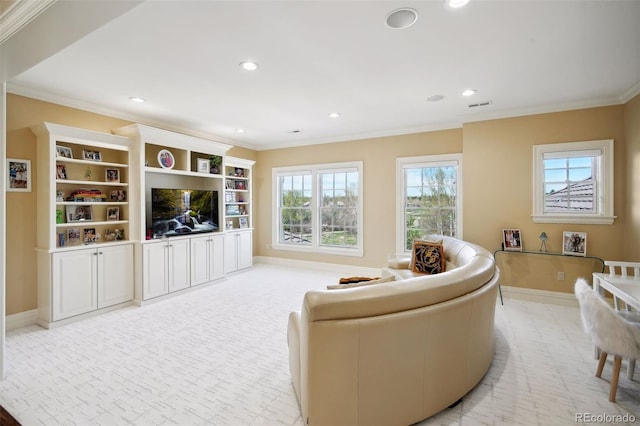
<point>428,257</point>
<point>362,283</point>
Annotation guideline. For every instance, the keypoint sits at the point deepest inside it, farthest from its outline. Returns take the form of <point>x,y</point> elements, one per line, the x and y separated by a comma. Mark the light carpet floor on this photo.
<point>218,356</point>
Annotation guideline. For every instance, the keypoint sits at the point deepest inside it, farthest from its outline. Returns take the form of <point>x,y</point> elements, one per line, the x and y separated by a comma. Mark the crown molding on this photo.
<point>630,93</point>
<point>19,14</point>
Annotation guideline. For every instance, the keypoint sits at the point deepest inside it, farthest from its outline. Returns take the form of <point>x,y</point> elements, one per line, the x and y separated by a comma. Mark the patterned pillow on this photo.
<point>361,283</point>
<point>428,257</point>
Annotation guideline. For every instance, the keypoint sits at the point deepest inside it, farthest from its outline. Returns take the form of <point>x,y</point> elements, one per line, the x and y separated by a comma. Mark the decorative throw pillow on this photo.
<point>428,257</point>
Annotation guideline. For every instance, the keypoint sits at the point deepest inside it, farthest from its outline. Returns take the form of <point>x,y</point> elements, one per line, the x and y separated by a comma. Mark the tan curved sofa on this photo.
<point>398,352</point>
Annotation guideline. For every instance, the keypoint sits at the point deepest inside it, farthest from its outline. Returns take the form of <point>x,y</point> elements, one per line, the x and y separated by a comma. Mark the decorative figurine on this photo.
<point>543,241</point>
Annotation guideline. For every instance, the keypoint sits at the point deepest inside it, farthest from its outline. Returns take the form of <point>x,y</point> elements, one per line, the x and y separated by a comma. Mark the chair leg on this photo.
<point>603,359</point>
<point>631,366</point>
<point>617,362</point>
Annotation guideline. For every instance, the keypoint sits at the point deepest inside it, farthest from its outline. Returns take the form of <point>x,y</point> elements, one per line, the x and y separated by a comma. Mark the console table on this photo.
<point>547,273</point>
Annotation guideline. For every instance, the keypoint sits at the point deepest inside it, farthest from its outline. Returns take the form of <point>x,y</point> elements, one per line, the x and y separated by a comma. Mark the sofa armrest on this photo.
<point>293,341</point>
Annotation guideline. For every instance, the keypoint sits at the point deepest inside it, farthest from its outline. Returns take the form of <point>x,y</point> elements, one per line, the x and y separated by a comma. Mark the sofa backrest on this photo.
<point>475,267</point>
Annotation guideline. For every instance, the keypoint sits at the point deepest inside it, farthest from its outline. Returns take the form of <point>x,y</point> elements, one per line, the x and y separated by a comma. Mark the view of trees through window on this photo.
<point>431,198</point>
<point>337,213</point>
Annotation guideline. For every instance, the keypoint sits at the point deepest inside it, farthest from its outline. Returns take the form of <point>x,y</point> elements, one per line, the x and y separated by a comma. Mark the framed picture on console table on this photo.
<point>511,239</point>
<point>574,243</point>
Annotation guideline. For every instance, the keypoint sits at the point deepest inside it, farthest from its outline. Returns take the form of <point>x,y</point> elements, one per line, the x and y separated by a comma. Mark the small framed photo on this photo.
<point>63,152</point>
<point>511,239</point>
<point>119,195</point>
<point>19,175</point>
<point>242,221</point>
<point>574,243</point>
<point>203,165</point>
<point>91,155</point>
<point>112,175</point>
<point>79,213</point>
<point>229,197</point>
<point>113,213</point>
<point>61,172</point>
<point>165,159</point>
<point>89,235</point>
<point>229,184</point>
<point>73,236</point>
<point>240,184</point>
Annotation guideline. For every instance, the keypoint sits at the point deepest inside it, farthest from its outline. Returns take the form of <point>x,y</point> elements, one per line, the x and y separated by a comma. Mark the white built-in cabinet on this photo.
<point>84,255</point>
<point>238,251</point>
<point>166,267</point>
<point>207,259</point>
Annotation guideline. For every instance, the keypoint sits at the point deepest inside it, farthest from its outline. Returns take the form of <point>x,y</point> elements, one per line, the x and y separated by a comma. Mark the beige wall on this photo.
<point>632,176</point>
<point>497,156</point>
<point>379,158</point>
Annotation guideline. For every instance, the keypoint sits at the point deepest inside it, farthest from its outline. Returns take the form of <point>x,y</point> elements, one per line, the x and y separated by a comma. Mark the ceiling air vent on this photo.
<point>480,104</point>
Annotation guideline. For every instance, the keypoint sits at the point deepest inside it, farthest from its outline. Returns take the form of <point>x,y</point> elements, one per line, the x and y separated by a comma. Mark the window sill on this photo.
<point>355,252</point>
<point>574,219</point>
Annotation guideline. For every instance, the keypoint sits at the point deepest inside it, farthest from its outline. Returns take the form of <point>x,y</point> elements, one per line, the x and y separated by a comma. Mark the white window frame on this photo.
<point>316,170</point>
<point>403,163</point>
<point>604,182</point>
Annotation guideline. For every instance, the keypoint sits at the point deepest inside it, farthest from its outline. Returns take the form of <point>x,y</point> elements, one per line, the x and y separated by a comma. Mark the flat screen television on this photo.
<point>182,211</point>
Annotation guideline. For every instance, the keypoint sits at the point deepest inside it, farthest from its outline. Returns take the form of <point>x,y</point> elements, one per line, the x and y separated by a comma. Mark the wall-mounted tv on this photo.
<point>182,211</point>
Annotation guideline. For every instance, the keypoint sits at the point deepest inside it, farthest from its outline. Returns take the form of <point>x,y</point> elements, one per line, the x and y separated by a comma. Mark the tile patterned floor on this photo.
<point>218,356</point>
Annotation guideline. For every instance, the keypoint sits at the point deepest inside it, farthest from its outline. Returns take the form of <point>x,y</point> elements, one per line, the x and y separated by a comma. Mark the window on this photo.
<point>429,198</point>
<point>573,182</point>
<point>319,208</point>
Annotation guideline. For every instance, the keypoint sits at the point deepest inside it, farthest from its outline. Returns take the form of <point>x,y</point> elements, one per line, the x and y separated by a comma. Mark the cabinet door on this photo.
<point>155,279</point>
<point>115,275</point>
<point>245,250</point>
<point>200,248</point>
<point>230,253</point>
<point>178,264</point>
<point>216,257</point>
<point>74,283</point>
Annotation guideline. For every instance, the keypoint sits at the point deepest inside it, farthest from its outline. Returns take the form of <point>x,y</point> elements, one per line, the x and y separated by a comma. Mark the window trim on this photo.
<point>604,191</point>
<point>403,163</point>
<point>316,170</point>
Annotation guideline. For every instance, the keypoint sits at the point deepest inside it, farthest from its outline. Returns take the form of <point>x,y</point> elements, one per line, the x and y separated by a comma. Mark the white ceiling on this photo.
<point>316,57</point>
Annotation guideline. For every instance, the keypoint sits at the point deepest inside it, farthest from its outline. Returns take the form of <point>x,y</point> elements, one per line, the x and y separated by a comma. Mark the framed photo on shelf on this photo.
<point>63,151</point>
<point>229,197</point>
<point>91,155</point>
<point>203,165</point>
<point>61,171</point>
<point>243,222</point>
<point>229,184</point>
<point>79,213</point>
<point>240,184</point>
<point>165,159</point>
<point>511,239</point>
<point>113,213</point>
<point>574,243</point>
<point>119,195</point>
<point>73,236</point>
<point>89,235</point>
<point>19,175</point>
<point>112,175</point>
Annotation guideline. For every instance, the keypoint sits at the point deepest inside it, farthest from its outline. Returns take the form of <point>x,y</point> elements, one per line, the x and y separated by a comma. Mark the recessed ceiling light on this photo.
<point>402,18</point>
<point>136,99</point>
<point>295,131</point>
<point>240,130</point>
<point>249,66</point>
<point>334,114</point>
<point>435,98</point>
<point>456,4</point>
<point>469,92</point>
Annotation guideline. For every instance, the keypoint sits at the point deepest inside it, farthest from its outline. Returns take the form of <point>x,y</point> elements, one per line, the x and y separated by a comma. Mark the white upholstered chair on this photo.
<point>610,332</point>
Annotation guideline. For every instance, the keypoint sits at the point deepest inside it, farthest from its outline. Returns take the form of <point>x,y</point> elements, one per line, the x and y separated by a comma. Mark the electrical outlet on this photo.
<point>560,276</point>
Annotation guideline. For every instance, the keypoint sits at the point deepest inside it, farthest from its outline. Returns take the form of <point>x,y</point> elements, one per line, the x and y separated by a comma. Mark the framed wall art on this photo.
<point>19,175</point>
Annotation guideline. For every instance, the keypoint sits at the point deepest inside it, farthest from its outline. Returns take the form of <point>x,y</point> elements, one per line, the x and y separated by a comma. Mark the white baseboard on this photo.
<point>542,296</point>
<point>21,319</point>
<point>343,269</point>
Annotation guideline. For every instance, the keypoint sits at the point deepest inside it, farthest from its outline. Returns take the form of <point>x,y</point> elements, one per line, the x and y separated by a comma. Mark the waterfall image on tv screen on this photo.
<point>183,211</point>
